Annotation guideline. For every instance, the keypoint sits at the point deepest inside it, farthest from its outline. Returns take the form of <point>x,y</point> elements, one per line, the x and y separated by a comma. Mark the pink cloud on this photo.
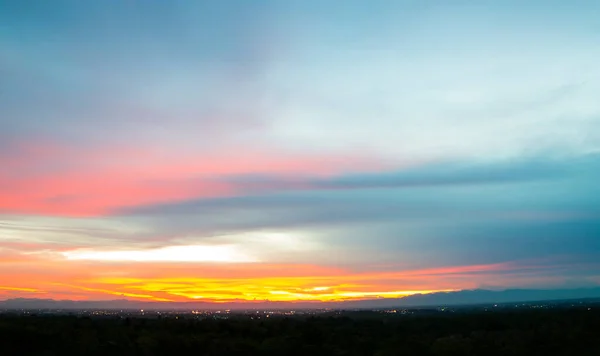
<point>52,179</point>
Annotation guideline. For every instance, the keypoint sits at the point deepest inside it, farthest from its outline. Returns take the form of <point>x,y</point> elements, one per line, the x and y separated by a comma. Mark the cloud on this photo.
<point>420,188</point>
<point>58,179</point>
<point>453,212</point>
<point>460,212</point>
<point>96,73</point>
<point>406,135</point>
<point>441,174</point>
<point>181,281</point>
<point>223,253</point>
<point>443,86</point>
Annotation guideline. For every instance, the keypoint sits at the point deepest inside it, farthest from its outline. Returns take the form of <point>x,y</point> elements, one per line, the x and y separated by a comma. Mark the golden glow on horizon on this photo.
<point>255,290</point>
<point>103,277</point>
<point>272,289</point>
<point>19,289</point>
<point>346,295</point>
<point>120,293</point>
<point>215,289</point>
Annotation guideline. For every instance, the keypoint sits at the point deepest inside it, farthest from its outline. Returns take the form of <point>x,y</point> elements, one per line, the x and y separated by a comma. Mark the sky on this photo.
<point>297,150</point>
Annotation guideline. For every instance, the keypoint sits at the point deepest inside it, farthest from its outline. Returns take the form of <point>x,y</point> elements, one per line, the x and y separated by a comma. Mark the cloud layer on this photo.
<point>297,150</point>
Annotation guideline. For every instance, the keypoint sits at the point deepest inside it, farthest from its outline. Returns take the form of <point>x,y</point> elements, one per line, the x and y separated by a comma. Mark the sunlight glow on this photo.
<point>249,289</point>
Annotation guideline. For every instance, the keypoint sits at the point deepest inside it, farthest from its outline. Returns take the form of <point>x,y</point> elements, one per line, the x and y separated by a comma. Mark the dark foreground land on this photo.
<point>526,332</point>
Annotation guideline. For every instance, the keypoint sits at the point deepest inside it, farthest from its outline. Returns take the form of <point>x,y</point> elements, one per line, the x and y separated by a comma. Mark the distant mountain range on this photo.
<point>464,297</point>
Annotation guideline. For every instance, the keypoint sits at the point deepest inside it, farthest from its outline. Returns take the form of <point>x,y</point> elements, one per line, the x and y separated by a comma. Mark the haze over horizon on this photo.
<point>297,150</point>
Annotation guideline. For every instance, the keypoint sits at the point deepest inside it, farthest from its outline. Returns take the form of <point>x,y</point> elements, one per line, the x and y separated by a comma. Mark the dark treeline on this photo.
<point>539,332</point>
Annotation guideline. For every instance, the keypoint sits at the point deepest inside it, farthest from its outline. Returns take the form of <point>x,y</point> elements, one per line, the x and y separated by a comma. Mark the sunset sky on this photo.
<point>297,150</point>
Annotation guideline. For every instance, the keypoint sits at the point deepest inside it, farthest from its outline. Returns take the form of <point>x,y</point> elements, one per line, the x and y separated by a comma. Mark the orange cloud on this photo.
<point>227,282</point>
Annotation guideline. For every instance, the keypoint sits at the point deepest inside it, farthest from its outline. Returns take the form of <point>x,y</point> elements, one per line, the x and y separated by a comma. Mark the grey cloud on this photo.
<point>397,188</point>
<point>96,72</point>
<point>452,174</point>
<point>452,206</point>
